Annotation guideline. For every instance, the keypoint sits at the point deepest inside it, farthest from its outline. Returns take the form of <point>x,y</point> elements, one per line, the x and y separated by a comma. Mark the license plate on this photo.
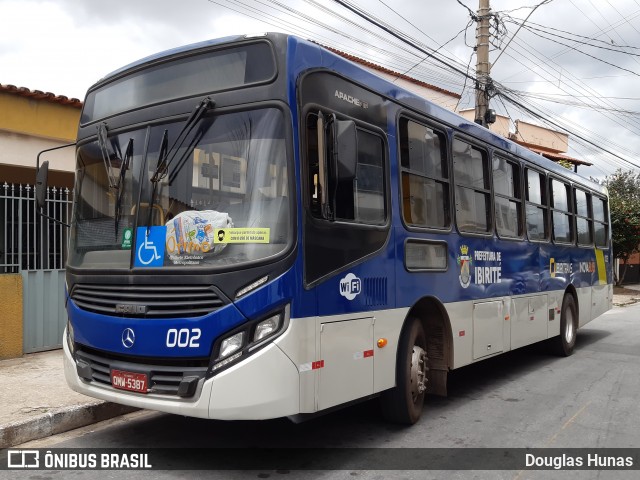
<point>133,382</point>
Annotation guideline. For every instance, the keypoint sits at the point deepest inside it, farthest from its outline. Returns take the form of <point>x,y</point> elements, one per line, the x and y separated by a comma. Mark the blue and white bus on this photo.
<point>264,229</point>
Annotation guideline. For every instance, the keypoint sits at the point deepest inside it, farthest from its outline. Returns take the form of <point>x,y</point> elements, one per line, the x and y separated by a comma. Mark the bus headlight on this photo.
<point>70,338</point>
<point>248,339</point>
<point>267,327</point>
<point>231,345</point>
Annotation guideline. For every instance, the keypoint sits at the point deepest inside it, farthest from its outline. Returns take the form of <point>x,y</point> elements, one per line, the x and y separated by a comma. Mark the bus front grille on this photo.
<point>148,301</point>
<point>172,379</point>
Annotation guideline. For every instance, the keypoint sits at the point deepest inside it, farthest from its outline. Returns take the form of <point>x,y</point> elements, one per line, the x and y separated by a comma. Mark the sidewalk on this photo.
<point>626,295</point>
<point>36,402</point>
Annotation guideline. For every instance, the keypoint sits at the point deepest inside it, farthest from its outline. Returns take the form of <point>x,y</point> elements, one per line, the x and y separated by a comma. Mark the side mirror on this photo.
<point>42,176</point>
<point>345,148</point>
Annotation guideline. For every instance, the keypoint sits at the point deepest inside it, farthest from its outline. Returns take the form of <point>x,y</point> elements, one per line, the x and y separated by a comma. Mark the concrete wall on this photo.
<point>28,126</point>
<point>19,149</point>
<point>542,137</point>
<point>40,118</point>
<point>501,126</point>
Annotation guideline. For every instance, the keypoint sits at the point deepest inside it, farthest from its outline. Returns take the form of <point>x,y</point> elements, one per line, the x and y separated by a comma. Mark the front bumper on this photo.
<point>264,385</point>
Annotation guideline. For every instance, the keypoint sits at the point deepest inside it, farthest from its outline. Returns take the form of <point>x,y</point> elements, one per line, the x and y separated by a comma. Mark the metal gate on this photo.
<point>36,247</point>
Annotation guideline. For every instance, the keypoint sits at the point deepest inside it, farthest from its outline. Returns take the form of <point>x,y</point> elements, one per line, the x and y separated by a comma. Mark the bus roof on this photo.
<point>382,86</point>
<point>443,115</point>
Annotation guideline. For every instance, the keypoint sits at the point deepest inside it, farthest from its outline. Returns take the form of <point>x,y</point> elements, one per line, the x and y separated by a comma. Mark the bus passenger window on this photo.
<point>562,217</point>
<point>600,222</point>
<point>361,200</point>
<point>508,199</point>
<point>471,169</point>
<point>536,207</point>
<point>425,176</point>
<point>584,224</point>
<point>369,183</point>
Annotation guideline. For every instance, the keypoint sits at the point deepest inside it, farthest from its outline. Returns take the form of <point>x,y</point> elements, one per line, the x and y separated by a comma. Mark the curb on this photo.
<point>59,420</point>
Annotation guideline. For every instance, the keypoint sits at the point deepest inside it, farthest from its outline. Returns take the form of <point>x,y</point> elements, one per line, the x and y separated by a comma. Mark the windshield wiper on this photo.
<point>162,154</point>
<point>106,157</point>
<point>164,161</point>
<point>124,166</point>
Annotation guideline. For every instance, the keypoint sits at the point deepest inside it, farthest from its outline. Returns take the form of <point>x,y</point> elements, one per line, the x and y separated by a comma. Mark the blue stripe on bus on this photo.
<point>152,336</point>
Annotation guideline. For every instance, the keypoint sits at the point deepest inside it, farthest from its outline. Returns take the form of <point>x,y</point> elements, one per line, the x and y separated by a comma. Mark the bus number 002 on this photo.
<point>183,338</point>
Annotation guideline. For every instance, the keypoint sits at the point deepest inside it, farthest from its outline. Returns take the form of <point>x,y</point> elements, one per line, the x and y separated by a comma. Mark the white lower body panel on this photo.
<point>265,385</point>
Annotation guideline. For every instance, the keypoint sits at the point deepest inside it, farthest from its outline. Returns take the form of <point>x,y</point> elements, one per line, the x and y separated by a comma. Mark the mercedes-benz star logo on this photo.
<point>128,338</point>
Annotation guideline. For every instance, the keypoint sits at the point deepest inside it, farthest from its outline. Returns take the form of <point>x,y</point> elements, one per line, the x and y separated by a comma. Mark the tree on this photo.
<point>624,204</point>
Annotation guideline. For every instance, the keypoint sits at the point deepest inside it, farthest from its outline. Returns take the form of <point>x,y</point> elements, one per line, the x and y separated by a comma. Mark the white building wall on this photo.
<point>21,150</point>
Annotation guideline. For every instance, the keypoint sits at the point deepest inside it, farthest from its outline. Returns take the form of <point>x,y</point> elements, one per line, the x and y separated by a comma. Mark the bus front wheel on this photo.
<point>564,344</point>
<point>403,404</point>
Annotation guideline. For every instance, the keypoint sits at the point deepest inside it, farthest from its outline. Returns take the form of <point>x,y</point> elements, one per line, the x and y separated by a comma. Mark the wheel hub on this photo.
<point>569,328</point>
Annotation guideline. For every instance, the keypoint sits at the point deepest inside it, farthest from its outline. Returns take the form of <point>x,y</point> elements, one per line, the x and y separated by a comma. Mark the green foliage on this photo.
<point>566,164</point>
<point>624,204</point>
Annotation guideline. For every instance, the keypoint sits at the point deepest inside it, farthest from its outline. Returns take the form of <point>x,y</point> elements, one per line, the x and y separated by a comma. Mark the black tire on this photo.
<point>403,404</point>
<point>564,344</point>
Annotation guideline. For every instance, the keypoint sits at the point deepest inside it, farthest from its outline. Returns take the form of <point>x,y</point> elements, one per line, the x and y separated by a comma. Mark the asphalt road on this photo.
<point>523,399</point>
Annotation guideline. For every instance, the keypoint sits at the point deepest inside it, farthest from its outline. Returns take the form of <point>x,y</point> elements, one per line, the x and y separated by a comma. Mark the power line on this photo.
<point>564,129</point>
<point>588,54</point>
<point>393,33</point>
<point>410,46</point>
<point>545,63</point>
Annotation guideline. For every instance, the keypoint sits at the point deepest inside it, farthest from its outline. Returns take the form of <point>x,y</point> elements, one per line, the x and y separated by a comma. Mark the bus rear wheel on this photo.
<point>403,404</point>
<point>563,345</point>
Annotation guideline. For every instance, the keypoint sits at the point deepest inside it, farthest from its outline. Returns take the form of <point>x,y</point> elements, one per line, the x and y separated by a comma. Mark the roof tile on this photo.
<point>40,95</point>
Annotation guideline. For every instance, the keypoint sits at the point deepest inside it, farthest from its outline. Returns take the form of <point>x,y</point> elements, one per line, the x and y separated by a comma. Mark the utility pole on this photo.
<point>483,68</point>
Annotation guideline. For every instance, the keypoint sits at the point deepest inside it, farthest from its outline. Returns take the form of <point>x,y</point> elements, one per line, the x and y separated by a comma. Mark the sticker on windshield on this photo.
<point>150,246</point>
<point>241,235</point>
<point>127,237</point>
<point>190,235</point>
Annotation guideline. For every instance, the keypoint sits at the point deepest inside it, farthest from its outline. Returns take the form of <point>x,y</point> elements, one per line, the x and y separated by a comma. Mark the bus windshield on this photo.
<point>224,200</point>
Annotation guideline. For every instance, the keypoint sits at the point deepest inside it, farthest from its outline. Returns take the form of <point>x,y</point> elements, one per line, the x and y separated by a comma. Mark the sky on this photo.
<point>574,62</point>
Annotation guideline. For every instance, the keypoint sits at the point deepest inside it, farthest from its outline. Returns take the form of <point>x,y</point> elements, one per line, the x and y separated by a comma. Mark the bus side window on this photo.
<point>600,222</point>
<point>508,197</point>
<point>584,219</point>
<point>473,194</point>
<point>425,176</point>
<point>361,200</point>
<point>367,202</point>
<point>562,215</point>
<point>313,166</point>
<point>536,206</point>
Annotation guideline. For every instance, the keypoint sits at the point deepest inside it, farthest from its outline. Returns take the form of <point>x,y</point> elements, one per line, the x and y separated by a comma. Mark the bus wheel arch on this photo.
<point>564,344</point>
<point>437,327</point>
<point>571,290</point>
<point>422,361</point>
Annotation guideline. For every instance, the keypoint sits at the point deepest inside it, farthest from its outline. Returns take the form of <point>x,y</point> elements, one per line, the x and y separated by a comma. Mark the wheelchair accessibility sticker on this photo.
<point>150,248</point>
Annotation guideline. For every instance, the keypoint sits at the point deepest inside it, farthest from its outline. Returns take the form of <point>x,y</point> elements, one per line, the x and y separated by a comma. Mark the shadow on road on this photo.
<point>359,425</point>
